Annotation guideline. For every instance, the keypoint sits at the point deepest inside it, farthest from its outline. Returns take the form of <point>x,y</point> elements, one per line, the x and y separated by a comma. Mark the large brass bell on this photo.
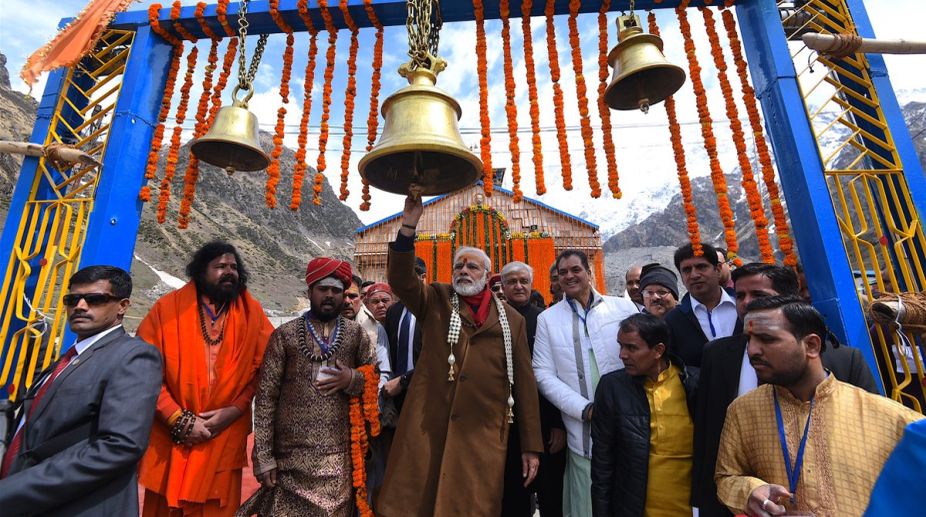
<point>232,141</point>
<point>421,141</point>
<point>642,75</point>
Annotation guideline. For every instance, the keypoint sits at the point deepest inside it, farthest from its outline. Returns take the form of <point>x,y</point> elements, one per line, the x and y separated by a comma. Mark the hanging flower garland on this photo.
<point>564,158</point>
<point>273,170</point>
<point>363,413</point>
<point>349,94</point>
<point>375,85</point>
<point>753,198</point>
<point>526,7</point>
<point>230,53</point>
<point>191,175</point>
<point>175,16</point>
<point>603,110</point>
<point>485,143</point>
<point>675,130</point>
<point>301,166</point>
<point>707,132</point>
<point>174,153</point>
<point>326,101</point>
<point>782,229</point>
<point>221,13</point>
<point>157,139</point>
<point>511,109</point>
<point>591,163</point>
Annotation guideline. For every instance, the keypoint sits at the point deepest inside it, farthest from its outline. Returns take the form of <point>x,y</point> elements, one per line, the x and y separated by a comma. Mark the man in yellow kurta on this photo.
<point>803,441</point>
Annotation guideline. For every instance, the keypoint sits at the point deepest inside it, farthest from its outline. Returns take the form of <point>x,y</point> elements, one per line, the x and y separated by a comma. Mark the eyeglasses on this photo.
<point>92,299</point>
<point>656,294</point>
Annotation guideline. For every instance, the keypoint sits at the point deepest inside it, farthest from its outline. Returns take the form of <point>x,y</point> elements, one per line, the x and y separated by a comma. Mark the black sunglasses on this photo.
<point>92,299</point>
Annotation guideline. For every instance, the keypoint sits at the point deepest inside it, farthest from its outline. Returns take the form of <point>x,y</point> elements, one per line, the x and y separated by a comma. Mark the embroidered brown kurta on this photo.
<point>301,432</point>
<point>448,456</point>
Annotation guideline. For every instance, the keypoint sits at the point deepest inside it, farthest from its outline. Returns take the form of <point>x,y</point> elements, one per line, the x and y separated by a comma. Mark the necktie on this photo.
<point>16,442</point>
<point>402,359</point>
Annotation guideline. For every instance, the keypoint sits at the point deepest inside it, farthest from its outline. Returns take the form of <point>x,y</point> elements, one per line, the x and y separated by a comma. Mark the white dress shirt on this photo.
<point>718,322</point>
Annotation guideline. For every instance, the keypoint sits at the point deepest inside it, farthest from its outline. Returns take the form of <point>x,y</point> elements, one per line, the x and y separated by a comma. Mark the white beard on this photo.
<point>470,289</point>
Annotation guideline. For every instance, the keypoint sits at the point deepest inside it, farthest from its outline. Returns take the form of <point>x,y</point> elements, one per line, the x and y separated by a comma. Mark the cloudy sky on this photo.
<point>644,154</point>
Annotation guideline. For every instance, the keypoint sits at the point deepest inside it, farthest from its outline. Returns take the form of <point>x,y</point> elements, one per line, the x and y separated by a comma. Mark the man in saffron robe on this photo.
<point>315,369</point>
<point>472,379</point>
<point>212,335</point>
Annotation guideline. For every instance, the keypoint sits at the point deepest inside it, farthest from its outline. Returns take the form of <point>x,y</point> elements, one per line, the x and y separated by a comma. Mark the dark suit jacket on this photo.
<point>109,392</point>
<point>720,377</point>
<point>688,339</point>
<point>393,319</point>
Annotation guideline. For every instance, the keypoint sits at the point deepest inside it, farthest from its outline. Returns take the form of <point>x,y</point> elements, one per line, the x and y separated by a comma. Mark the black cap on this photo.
<point>657,274</point>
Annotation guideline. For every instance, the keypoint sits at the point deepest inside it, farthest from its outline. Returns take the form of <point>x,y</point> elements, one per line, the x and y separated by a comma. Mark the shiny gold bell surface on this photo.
<point>420,142</point>
<point>232,141</point>
<point>642,75</point>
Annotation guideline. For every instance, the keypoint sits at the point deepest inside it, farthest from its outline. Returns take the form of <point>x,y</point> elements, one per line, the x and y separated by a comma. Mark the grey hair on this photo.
<point>514,267</point>
<point>468,249</point>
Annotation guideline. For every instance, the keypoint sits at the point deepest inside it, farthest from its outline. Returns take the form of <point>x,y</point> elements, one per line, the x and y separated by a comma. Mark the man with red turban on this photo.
<point>317,378</point>
<point>212,335</point>
<point>378,299</point>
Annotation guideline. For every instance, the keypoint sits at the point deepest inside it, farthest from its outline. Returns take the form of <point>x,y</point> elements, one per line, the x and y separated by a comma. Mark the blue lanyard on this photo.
<point>324,345</point>
<point>584,316</point>
<point>795,473</point>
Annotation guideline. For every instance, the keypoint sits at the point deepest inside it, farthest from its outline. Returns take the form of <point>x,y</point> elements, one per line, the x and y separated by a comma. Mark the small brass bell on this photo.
<point>421,142</point>
<point>232,141</point>
<point>642,75</point>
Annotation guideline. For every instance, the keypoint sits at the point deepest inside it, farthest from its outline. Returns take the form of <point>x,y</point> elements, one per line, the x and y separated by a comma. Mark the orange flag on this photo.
<point>73,41</point>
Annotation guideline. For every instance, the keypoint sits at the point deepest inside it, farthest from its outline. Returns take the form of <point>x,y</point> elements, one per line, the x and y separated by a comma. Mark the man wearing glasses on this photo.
<point>659,289</point>
<point>86,420</point>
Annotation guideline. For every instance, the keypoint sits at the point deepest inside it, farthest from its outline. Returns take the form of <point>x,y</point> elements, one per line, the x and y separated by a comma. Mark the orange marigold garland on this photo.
<point>157,139</point>
<point>564,158</point>
<point>326,100</point>
<point>675,130</point>
<point>349,94</point>
<point>221,12</point>
<point>175,16</point>
<point>707,132</point>
<point>375,85</point>
<point>364,412</point>
<point>753,198</point>
<point>485,142</point>
<point>603,110</point>
<point>273,170</point>
<point>174,153</point>
<point>526,7</point>
<point>230,52</point>
<point>782,230</point>
<point>511,109</point>
<point>301,166</point>
<point>591,163</point>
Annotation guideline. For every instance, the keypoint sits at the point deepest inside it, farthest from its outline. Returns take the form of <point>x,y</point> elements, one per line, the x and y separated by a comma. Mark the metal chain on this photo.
<point>424,23</point>
<point>246,75</point>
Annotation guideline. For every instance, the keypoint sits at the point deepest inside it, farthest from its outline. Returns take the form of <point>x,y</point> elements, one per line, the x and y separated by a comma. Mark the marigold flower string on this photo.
<point>564,158</point>
<point>221,12</point>
<point>707,132</point>
<point>364,413</point>
<point>301,166</point>
<point>230,52</point>
<point>782,228</point>
<point>375,85</point>
<point>350,93</point>
<point>675,130</point>
<point>485,143</point>
<point>511,109</point>
<point>326,101</point>
<point>173,153</point>
<point>591,163</point>
<point>181,30</point>
<point>526,7</point>
<point>603,110</point>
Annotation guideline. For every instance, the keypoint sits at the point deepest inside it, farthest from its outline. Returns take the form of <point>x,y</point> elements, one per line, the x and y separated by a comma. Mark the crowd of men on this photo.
<point>731,399</point>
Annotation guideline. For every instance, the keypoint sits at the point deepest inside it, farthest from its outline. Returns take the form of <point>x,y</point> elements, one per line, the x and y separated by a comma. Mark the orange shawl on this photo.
<point>73,41</point>
<point>182,473</point>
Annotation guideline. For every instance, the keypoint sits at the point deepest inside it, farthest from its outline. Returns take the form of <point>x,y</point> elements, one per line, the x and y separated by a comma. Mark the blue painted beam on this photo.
<point>389,12</point>
<point>803,183</point>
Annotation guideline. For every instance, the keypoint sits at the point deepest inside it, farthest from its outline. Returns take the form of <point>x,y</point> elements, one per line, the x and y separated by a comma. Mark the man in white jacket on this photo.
<point>576,343</point>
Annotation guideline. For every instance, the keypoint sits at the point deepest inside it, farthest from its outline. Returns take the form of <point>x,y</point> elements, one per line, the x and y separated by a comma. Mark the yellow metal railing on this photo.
<point>879,223</point>
<point>54,221</point>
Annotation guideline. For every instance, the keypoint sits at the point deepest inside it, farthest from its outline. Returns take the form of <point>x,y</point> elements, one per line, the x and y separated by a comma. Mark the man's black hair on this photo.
<point>120,281</point>
<point>803,319</point>
<point>196,269</point>
<point>574,253</point>
<point>651,329</point>
<point>686,252</point>
<point>420,267</point>
<point>366,283</point>
<point>356,280</point>
<point>784,280</point>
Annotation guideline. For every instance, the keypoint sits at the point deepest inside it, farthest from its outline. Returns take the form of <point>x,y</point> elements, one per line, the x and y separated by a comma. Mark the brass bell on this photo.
<point>232,142</point>
<point>642,75</point>
<point>421,141</point>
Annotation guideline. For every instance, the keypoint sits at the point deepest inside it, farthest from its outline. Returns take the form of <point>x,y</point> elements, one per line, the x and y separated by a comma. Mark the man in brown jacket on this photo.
<point>472,379</point>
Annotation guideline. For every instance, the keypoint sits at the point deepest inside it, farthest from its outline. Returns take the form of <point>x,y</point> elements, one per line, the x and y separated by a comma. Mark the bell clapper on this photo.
<point>230,170</point>
<point>644,105</point>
